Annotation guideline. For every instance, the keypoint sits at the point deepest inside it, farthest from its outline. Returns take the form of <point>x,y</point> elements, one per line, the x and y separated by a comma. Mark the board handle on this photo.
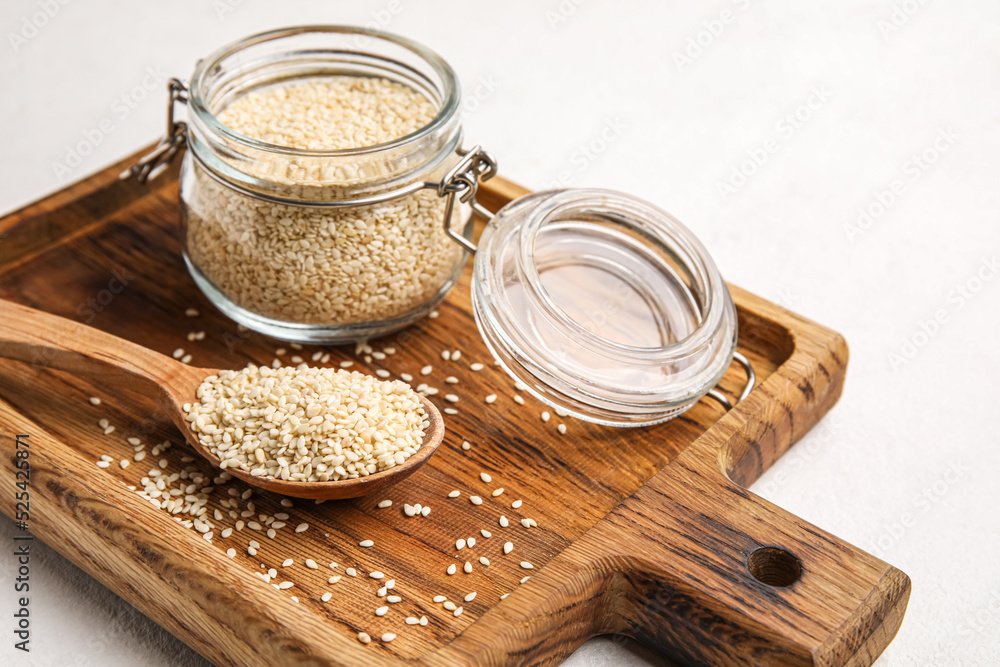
<point>720,576</point>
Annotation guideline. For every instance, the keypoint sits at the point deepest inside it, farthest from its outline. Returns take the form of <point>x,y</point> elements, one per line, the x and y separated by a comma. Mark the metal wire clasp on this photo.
<point>157,160</point>
<point>462,182</point>
<point>747,388</point>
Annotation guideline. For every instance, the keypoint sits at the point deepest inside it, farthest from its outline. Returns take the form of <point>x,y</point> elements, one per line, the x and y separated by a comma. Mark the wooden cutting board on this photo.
<point>648,532</point>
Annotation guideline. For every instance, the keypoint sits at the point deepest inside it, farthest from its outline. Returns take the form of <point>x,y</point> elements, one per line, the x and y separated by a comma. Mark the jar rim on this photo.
<point>450,95</point>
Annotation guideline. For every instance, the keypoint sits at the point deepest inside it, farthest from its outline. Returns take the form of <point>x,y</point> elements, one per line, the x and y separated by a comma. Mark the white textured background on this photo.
<point>905,466</point>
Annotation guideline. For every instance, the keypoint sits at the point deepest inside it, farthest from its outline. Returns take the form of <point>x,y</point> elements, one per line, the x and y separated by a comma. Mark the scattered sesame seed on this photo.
<point>517,503</point>
<point>470,597</point>
<point>191,312</point>
<point>364,638</point>
<point>388,637</point>
<point>450,411</point>
<point>381,592</point>
<point>409,510</point>
<point>525,579</point>
<point>526,565</point>
<point>455,494</point>
<point>518,399</point>
<point>382,373</point>
<point>433,314</point>
<point>456,355</point>
<point>412,620</point>
<point>450,606</point>
<point>471,542</point>
<point>446,355</point>
<point>123,463</point>
<point>382,611</point>
<point>485,533</point>
<point>458,612</point>
<point>285,502</point>
<point>186,359</point>
<point>311,564</point>
<point>393,599</point>
<point>426,370</point>
<point>103,464</point>
<point>451,379</point>
<point>562,429</point>
<point>424,511</point>
<point>376,575</point>
<point>476,367</point>
<point>94,400</point>
<point>485,477</point>
<point>326,596</point>
<point>503,521</point>
<point>178,353</point>
<point>451,398</point>
<point>439,598</point>
<point>497,492</point>
<point>423,621</point>
<point>466,445</point>
<point>475,500</point>
<point>287,562</point>
<point>390,584</point>
<point>406,377</point>
<point>508,547</point>
<point>302,527</point>
<point>451,569</point>
<point>467,568</point>
<point>504,596</point>
<point>459,544</point>
<point>285,585</point>
<point>385,503</point>
<point>351,572</point>
<point>491,398</point>
<point>546,416</point>
<point>483,560</point>
<point>231,552</point>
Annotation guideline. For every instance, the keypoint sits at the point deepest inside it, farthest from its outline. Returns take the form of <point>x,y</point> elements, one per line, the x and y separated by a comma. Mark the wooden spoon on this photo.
<point>46,340</point>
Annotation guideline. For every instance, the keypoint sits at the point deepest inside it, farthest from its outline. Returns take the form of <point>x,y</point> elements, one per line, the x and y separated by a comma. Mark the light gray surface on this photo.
<point>905,466</point>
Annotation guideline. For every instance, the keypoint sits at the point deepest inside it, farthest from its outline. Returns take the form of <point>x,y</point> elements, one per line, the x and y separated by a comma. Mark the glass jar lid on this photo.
<point>602,305</point>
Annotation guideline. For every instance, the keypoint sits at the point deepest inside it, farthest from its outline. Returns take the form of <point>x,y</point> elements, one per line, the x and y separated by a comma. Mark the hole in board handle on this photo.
<point>774,566</point>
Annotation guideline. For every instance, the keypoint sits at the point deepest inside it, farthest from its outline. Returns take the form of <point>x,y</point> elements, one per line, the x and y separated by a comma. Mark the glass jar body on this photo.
<point>320,246</point>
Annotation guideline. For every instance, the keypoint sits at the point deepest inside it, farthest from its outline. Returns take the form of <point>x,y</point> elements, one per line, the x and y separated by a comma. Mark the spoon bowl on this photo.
<point>39,338</point>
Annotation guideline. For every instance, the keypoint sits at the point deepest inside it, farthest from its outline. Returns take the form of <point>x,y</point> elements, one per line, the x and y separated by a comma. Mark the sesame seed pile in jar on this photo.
<point>322,265</point>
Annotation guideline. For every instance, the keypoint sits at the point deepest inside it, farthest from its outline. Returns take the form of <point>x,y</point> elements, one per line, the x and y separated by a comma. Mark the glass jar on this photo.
<point>601,304</point>
<point>322,246</point>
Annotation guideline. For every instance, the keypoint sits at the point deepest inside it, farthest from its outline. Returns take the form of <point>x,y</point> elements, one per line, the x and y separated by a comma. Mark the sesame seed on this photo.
<point>388,637</point>
<point>467,568</point>
<point>191,312</point>
<point>446,355</point>
<point>385,503</point>
<point>485,477</point>
<point>439,598</point>
<point>382,611</point>
<point>287,562</point>
<point>520,386</point>
<point>94,400</point>
<point>382,373</point>
<point>518,399</point>
<point>103,464</point>
<point>508,547</point>
<point>466,445</point>
<point>393,599</point>
<point>346,364</point>
<point>123,463</point>
<point>178,353</point>
<point>525,579</point>
<point>456,355</point>
<point>451,379</point>
<point>504,596</point>
<point>526,565</point>
<point>476,367</point>
<point>450,411</point>
<point>503,521</point>
<point>334,579</point>
<point>485,533</point>
<point>382,592</point>
<point>409,510</point>
<point>376,575</point>
<point>390,584</point>
<point>423,621</point>
<point>562,429</point>
<point>364,638</point>
<point>426,370</point>
<point>326,596</point>
<point>406,377</point>
<point>497,492</point>
<point>455,494</point>
<point>517,503</point>
<point>546,416</point>
<point>471,542</point>
<point>285,585</point>
<point>451,569</point>
<point>470,597</point>
<point>351,572</point>
<point>484,560</point>
<point>302,527</point>
<point>186,359</point>
<point>311,564</point>
<point>412,620</point>
<point>475,500</point>
<point>458,612</point>
<point>459,544</point>
<point>231,552</point>
<point>285,502</point>
<point>491,398</point>
<point>433,314</point>
<point>450,606</point>
<point>451,398</point>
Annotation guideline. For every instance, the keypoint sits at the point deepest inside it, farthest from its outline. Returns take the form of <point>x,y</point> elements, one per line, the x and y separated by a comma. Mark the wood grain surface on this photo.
<point>648,533</point>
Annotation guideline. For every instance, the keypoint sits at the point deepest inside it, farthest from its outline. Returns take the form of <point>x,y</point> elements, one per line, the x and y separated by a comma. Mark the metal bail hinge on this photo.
<point>462,182</point>
<point>153,163</point>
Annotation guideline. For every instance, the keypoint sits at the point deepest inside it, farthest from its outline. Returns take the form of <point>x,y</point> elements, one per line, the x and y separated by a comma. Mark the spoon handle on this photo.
<point>50,341</point>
